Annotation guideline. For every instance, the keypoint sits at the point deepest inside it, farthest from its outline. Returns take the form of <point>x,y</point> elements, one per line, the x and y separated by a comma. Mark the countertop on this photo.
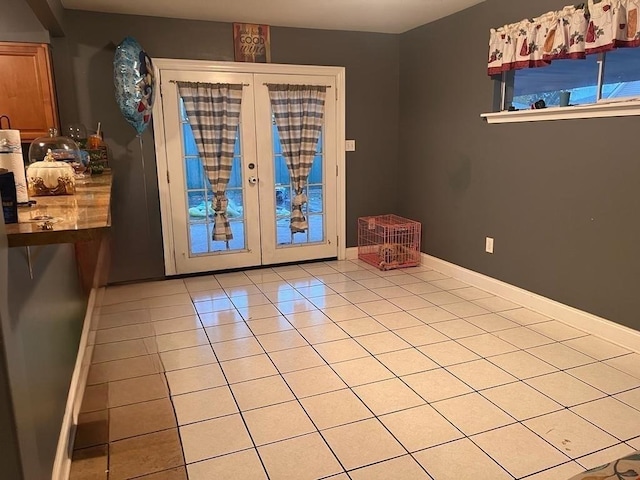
<point>80,217</point>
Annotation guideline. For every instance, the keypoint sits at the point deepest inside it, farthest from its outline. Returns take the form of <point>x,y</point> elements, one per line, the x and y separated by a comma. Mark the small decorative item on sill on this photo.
<point>539,105</point>
<point>50,177</point>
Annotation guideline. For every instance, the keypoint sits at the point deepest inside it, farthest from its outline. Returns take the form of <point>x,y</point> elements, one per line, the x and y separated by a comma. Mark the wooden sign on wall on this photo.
<point>251,43</point>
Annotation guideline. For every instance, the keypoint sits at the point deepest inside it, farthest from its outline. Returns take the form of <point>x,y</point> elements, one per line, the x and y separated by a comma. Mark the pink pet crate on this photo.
<point>389,241</point>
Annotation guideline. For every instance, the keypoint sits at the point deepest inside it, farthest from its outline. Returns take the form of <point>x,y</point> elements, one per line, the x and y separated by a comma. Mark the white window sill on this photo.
<point>594,110</point>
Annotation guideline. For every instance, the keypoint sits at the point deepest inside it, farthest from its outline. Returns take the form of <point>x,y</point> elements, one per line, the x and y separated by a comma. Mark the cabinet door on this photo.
<point>27,95</point>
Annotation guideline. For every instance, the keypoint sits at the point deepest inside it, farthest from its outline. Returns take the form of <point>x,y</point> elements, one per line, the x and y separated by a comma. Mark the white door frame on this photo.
<point>168,64</point>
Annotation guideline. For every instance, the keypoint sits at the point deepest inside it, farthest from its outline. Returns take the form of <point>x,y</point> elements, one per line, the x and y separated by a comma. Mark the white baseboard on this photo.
<point>62,463</point>
<point>587,322</point>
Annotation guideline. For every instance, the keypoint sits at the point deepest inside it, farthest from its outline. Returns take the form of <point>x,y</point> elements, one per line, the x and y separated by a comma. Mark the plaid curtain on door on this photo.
<point>298,112</point>
<point>213,111</point>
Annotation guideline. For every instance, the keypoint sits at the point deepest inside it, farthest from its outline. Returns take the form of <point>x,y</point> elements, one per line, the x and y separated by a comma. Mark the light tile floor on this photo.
<point>337,370</point>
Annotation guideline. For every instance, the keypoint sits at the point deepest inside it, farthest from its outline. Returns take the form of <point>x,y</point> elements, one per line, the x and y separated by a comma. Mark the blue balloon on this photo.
<point>134,83</point>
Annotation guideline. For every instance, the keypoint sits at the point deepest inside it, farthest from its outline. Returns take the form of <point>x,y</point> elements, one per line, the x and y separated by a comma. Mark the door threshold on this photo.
<point>245,269</point>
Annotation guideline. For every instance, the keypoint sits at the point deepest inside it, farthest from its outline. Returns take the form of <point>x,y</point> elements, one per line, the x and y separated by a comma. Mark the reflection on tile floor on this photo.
<point>336,370</point>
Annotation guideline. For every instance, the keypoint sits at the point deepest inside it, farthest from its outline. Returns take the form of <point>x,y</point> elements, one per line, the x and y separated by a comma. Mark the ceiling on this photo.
<point>384,16</point>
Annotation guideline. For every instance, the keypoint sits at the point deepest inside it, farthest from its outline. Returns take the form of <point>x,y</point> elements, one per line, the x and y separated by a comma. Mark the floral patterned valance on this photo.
<point>573,32</point>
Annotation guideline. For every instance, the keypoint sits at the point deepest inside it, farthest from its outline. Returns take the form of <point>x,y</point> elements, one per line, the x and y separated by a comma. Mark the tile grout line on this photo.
<point>414,347</point>
<point>299,403</point>
<point>246,426</point>
<point>374,415</point>
<point>474,390</point>
<point>348,387</point>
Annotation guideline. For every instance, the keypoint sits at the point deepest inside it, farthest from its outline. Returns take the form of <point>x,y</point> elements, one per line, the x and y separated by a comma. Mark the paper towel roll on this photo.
<point>12,138</point>
<point>11,159</point>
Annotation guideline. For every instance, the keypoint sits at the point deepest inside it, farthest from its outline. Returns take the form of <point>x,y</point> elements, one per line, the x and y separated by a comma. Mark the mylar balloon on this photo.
<point>134,83</point>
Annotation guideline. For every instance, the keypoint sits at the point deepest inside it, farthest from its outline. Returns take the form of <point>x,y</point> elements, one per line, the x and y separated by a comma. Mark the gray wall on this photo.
<point>50,14</point>
<point>18,23</point>
<point>560,198</point>
<point>41,338</point>
<point>40,327</point>
<point>84,66</point>
<point>9,451</point>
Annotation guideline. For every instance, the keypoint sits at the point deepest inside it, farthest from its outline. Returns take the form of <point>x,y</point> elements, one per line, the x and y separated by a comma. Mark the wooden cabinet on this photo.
<point>27,94</point>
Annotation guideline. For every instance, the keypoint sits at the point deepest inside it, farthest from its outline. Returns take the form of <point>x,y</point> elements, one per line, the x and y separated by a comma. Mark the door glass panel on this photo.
<point>235,179</point>
<point>238,242</point>
<point>284,195</point>
<point>190,147</point>
<point>315,199</point>
<point>196,179</point>
<point>314,234</point>
<point>277,146</point>
<point>200,212</point>
<point>235,210</point>
<point>198,238</point>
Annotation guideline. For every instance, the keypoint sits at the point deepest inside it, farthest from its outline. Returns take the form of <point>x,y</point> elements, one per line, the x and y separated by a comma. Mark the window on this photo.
<point>599,78</point>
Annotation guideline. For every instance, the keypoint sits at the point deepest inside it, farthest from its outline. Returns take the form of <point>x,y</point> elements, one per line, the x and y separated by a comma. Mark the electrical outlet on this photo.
<point>488,246</point>
<point>350,145</point>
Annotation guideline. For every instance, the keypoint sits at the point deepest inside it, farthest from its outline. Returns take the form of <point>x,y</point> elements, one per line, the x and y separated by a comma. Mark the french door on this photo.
<point>259,189</point>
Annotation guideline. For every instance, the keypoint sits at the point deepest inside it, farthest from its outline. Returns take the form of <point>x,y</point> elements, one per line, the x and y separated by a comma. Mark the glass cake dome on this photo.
<point>63,149</point>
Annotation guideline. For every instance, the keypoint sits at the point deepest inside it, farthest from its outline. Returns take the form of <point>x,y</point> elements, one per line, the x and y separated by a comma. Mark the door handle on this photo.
<point>253,180</point>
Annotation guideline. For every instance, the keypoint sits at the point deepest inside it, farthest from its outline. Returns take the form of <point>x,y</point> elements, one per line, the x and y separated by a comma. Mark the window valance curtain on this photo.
<point>571,33</point>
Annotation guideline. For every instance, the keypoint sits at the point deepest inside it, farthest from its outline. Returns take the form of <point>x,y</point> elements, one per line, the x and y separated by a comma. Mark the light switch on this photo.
<point>350,145</point>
